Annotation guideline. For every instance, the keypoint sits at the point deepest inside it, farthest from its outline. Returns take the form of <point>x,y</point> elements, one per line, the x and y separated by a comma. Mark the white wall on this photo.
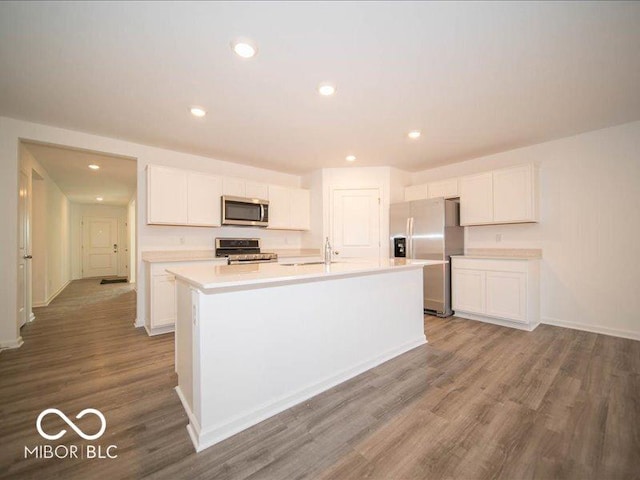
<point>38,240</point>
<point>131,233</point>
<point>149,236</point>
<point>78,212</point>
<point>589,226</point>
<point>50,240</point>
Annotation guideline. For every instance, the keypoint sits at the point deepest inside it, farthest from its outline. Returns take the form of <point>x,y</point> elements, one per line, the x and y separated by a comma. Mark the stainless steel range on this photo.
<point>243,250</point>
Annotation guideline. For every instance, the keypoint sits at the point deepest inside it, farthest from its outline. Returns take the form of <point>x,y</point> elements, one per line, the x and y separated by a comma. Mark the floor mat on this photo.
<point>113,280</point>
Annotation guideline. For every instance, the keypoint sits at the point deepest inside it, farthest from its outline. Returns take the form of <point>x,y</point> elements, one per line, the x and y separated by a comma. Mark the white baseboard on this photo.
<point>496,321</point>
<point>55,294</point>
<point>160,330</point>
<point>217,433</point>
<point>614,332</point>
<point>137,323</point>
<point>10,344</point>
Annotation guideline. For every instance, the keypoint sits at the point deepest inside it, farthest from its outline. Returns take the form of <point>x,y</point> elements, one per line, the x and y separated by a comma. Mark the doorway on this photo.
<point>60,188</point>
<point>355,222</point>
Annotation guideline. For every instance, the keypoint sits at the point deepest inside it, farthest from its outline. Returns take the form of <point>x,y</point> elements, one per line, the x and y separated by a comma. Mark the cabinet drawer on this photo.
<point>496,265</point>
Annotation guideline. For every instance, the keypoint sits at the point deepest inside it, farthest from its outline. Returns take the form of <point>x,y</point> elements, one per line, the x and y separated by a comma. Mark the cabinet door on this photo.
<point>279,207</point>
<point>163,301</point>
<point>507,295</point>
<point>476,199</point>
<point>444,188</point>
<point>166,195</point>
<point>233,187</point>
<point>300,209</point>
<point>415,192</point>
<point>204,199</point>
<point>513,194</point>
<point>256,190</point>
<point>468,290</point>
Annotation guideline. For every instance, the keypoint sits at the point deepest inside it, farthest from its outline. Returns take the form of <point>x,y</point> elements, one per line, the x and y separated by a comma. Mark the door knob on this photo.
<point>27,257</point>
<point>336,252</point>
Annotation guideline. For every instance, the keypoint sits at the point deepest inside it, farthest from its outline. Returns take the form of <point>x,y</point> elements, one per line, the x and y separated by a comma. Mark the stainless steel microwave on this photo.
<point>245,211</point>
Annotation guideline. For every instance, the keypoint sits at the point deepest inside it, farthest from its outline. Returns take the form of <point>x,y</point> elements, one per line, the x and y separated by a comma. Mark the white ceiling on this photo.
<point>115,182</point>
<point>475,77</point>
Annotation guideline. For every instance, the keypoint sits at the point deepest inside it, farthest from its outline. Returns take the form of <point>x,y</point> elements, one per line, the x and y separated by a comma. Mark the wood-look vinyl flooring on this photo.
<point>478,402</point>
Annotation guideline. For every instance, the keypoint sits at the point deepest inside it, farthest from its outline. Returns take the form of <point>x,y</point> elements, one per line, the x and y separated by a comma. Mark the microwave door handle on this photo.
<point>262,212</point>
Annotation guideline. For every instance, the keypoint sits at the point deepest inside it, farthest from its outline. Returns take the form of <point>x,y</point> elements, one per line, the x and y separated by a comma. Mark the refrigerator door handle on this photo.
<point>410,239</point>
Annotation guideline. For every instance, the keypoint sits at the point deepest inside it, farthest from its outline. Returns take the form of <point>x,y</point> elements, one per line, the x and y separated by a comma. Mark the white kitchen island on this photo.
<point>254,340</point>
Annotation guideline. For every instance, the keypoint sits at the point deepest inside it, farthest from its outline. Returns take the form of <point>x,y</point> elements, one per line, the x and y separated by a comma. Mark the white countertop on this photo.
<point>160,256</point>
<point>495,257</point>
<point>240,277</point>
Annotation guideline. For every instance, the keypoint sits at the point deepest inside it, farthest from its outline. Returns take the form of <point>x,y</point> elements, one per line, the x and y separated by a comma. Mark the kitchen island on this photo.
<point>253,340</point>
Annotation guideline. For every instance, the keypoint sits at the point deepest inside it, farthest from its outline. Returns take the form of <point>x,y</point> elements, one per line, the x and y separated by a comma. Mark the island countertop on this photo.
<point>213,278</point>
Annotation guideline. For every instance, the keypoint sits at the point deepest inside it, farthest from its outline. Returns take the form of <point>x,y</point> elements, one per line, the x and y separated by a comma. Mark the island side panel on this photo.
<point>267,349</point>
<point>186,351</point>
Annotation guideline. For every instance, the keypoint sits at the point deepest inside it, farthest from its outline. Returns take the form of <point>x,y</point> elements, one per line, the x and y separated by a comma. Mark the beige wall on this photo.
<point>589,226</point>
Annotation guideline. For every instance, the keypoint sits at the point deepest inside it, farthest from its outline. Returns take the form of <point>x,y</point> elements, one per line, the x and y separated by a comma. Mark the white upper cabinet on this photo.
<point>300,213</point>
<point>279,207</point>
<point>514,195</point>
<point>476,199</point>
<point>237,187</point>
<point>509,195</point>
<point>234,187</point>
<point>166,195</point>
<point>181,197</point>
<point>256,190</point>
<point>289,208</point>
<point>443,188</point>
<point>415,192</point>
<point>203,192</point>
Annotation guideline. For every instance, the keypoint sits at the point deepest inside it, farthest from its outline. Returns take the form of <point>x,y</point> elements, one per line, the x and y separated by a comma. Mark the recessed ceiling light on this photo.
<point>413,134</point>
<point>99,199</point>
<point>198,112</point>
<point>244,48</point>
<point>350,158</point>
<point>93,166</point>
<point>326,89</point>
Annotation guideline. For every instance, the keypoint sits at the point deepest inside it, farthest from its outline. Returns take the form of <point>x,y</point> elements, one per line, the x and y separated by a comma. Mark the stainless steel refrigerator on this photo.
<point>429,229</point>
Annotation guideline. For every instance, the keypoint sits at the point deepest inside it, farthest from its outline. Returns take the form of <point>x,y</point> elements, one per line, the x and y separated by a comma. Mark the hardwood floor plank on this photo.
<point>477,402</point>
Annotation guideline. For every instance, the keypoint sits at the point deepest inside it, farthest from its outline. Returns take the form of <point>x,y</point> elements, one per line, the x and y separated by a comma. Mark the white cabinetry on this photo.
<point>443,188</point>
<point>237,187</point>
<point>509,195</point>
<point>289,208</point>
<point>415,192</point>
<point>502,291</point>
<point>203,193</point>
<point>476,199</point>
<point>161,296</point>
<point>182,197</point>
<point>166,195</point>
<point>514,195</point>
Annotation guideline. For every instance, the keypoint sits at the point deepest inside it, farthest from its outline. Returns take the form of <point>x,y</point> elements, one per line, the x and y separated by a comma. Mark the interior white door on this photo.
<point>99,246</point>
<point>24,283</point>
<point>355,225</point>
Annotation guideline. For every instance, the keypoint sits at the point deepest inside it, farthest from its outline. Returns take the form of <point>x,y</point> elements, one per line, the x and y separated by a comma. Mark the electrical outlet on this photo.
<point>498,237</point>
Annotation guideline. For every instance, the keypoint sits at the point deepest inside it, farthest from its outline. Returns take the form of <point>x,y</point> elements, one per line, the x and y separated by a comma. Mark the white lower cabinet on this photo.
<point>161,295</point>
<point>503,291</point>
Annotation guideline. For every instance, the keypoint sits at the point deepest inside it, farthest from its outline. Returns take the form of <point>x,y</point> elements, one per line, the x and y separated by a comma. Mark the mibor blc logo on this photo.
<point>71,451</point>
